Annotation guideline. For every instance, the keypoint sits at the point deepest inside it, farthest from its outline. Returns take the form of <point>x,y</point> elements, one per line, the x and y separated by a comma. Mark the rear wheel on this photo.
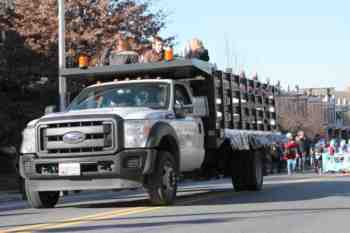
<point>247,171</point>
<point>238,183</point>
<point>41,199</point>
<point>239,172</point>
<point>162,184</point>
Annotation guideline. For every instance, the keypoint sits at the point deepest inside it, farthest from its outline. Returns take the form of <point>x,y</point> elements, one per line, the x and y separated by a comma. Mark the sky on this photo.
<point>299,42</point>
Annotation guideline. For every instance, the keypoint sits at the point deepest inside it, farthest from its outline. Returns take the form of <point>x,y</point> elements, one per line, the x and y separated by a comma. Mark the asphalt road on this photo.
<point>297,204</point>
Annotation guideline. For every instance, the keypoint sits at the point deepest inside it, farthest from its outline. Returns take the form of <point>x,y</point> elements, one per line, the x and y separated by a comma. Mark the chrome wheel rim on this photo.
<point>168,178</point>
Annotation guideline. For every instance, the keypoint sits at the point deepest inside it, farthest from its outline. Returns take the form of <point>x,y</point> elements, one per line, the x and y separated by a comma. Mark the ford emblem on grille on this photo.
<point>74,137</point>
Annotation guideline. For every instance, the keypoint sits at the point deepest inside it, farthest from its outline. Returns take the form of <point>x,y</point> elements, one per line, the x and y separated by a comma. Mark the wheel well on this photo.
<point>168,143</point>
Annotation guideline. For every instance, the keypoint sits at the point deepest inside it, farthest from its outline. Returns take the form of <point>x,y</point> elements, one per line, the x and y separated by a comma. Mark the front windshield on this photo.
<point>151,95</point>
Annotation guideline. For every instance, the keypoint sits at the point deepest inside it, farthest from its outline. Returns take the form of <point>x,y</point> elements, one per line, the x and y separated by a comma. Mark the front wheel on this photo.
<point>41,199</point>
<point>162,184</point>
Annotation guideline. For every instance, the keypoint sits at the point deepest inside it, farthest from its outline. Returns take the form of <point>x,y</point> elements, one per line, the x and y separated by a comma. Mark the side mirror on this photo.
<point>200,106</point>
<point>50,109</point>
<point>179,110</point>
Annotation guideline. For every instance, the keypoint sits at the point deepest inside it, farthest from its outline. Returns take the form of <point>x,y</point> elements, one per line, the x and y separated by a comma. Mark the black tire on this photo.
<point>162,184</point>
<point>239,172</point>
<point>40,200</point>
<point>238,184</point>
<point>256,173</point>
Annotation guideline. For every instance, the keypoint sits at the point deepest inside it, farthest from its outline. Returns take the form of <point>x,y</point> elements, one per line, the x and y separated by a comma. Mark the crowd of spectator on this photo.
<point>300,153</point>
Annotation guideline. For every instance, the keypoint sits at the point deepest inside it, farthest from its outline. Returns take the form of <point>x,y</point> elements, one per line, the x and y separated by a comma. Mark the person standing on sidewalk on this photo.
<point>317,153</point>
<point>291,148</point>
<point>303,147</point>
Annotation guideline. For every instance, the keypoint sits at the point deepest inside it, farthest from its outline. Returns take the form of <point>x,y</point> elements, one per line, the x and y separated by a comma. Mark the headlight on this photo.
<point>28,139</point>
<point>136,133</point>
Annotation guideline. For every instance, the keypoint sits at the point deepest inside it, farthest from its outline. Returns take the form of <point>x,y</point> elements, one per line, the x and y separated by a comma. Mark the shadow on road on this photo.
<point>283,193</point>
<point>271,193</point>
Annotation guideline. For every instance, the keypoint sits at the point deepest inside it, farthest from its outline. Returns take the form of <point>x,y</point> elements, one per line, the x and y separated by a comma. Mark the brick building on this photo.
<point>313,114</point>
<point>325,108</point>
<point>341,105</point>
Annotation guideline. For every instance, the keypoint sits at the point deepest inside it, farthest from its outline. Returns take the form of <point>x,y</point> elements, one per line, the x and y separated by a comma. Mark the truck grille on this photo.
<point>98,137</point>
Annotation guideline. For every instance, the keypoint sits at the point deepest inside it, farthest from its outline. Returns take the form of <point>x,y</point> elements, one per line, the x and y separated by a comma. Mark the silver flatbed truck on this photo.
<point>144,125</point>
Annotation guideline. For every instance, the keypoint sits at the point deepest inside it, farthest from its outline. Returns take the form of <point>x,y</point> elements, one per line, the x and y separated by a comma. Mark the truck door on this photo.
<point>189,130</point>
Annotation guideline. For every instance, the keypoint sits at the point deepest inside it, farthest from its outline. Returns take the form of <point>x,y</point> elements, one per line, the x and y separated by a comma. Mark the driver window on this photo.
<point>181,95</point>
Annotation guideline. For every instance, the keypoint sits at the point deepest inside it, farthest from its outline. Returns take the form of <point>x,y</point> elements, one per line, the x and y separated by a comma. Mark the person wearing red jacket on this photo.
<point>290,155</point>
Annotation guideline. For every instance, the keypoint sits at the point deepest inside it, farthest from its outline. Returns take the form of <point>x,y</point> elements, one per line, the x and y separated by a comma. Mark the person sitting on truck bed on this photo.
<point>121,54</point>
<point>156,54</point>
<point>195,49</point>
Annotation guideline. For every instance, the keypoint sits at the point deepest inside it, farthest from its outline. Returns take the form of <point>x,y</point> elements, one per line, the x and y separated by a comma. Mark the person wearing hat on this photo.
<point>290,153</point>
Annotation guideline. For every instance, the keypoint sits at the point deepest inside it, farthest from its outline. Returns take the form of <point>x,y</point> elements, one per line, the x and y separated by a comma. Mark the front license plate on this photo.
<point>69,169</point>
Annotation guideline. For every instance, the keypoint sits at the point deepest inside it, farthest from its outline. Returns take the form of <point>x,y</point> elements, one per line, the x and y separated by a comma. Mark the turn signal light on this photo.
<point>83,62</point>
<point>169,54</point>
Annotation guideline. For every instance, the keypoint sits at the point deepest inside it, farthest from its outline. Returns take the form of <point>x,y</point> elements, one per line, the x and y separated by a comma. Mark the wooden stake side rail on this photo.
<point>243,103</point>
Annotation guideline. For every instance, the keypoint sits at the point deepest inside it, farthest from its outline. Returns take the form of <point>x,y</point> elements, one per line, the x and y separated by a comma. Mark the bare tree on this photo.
<point>91,25</point>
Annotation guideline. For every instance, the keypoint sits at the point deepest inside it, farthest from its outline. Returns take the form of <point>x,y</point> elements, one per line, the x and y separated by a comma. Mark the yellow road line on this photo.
<point>110,216</point>
<point>40,226</point>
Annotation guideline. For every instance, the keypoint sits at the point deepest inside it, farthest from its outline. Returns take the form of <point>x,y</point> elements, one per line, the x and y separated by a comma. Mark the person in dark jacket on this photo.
<point>304,147</point>
<point>196,49</point>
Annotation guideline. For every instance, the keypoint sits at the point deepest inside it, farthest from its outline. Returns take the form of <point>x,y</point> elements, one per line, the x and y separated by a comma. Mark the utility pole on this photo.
<point>62,54</point>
